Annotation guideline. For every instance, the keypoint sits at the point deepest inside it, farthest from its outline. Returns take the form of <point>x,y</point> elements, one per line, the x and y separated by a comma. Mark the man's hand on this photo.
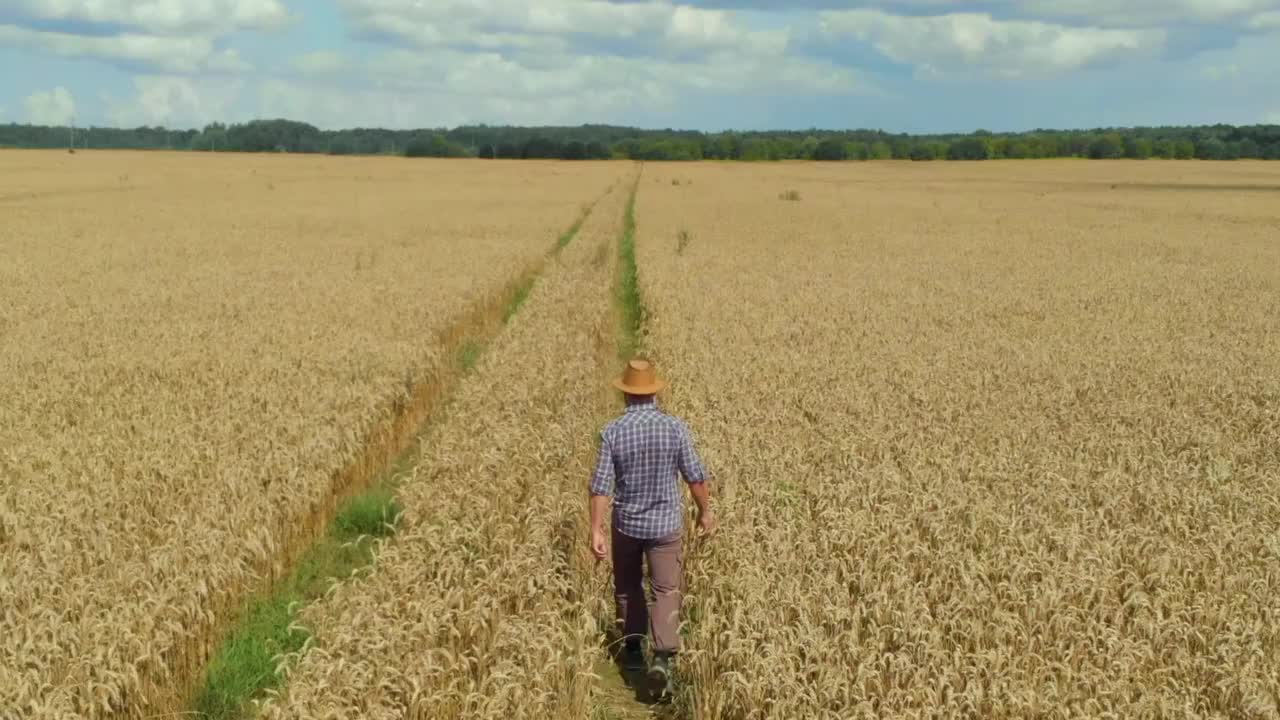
<point>599,508</point>
<point>599,547</point>
<point>702,498</point>
<point>706,523</point>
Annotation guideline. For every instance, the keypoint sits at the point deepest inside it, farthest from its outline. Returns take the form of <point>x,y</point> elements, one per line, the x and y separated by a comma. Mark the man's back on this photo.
<point>641,452</point>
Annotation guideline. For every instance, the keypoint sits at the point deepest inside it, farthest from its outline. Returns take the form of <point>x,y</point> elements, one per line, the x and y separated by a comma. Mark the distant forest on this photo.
<point>591,142</point>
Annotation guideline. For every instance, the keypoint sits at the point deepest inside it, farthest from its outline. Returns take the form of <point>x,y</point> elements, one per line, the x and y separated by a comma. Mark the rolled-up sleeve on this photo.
<point>690,464</point>
<point>602,480</point>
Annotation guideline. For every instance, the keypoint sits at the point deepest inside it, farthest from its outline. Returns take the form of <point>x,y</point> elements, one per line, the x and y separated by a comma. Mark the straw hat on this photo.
<point>639,378</point>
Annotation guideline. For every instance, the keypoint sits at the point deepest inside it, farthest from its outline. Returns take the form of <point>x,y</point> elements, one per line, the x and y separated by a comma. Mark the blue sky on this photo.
<point>900,65</point>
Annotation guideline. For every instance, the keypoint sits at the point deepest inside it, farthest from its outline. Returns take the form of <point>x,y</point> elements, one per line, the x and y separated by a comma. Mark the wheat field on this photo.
<point>990,440</point>
<point>993,441</point>
<point>196,350</point>
<point>476,609</point>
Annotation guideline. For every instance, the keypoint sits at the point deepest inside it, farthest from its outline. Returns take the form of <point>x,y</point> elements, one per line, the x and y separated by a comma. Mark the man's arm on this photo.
<point>695,476</point>
<point>601,492</point>
<point>702,498</point>
<point>599,510</point>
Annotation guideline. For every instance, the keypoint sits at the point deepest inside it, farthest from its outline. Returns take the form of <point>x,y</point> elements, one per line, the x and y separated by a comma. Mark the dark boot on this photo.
<point>660,669</point>
<point>632,657</point>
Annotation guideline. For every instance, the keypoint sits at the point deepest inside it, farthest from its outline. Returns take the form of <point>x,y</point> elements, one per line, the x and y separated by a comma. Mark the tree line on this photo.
<point>596,142</point>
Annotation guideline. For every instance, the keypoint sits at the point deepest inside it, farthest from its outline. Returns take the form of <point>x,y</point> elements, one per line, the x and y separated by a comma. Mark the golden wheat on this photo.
<point>994,441</point>
<point>194,348</point>
<point>476,609</point>
<point>991,440</point>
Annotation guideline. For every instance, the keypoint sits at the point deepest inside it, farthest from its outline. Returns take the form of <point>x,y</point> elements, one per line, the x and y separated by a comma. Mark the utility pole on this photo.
<point>71,145</point>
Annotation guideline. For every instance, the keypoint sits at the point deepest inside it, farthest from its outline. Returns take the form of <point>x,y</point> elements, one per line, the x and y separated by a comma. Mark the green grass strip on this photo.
<point>470,354</point>
<point>629,300</point>
<point>245,664</point>
<point>569,234</point>
<point>518,298</point>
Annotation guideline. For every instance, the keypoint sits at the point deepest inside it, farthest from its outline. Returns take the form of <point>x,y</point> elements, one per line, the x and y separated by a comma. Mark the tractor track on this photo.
<point>381,453</point>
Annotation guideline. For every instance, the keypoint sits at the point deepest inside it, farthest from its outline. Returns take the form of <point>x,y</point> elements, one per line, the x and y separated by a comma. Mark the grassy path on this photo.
<point>622,695</point>
<point>476,608</point>
<point>604,259</point>
<point>244,666</point>
<point>630,305</point>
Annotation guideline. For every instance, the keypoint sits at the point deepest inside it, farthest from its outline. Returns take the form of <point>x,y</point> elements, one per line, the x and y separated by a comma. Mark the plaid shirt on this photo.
<point>640,453</point>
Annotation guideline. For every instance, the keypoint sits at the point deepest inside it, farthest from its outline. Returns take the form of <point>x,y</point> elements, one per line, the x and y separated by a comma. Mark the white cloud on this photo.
<point>445,86</point>
<point>438,106</point>
<point>228,61</point>
<point>175,101</point>
<point>1147,13</point>
<point>649,79</point>
<point>553,61</point>
<point>1266,21</point>
<point>550,17</point>
<point>446,62</point>
<point>160,16</point>
<point>172,54</point>
<point>556,25</point>
<point>689,28</point>
<point>319,63</point>
<point>50,107</point>
<point>1273,117</point>
<point>942,44</point>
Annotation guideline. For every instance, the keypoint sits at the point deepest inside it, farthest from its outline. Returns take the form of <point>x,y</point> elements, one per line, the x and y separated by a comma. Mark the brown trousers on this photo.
<point>635,617</point>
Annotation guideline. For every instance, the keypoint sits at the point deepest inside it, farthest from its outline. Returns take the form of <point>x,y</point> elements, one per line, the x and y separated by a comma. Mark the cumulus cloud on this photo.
<point>1148,13</point>
<point>652,79</point>
<point>172,54</point>
<point>1095,13</point>
<point>169,36</point>
<point>939,44</point>
<point>551,17</point>
<point>448,86</point>
<point>444,62</point>
<point>160,16</point>
<point>175,101</point>
<point>556,25</point>
<point>50,107</point>
<point>550,61</point>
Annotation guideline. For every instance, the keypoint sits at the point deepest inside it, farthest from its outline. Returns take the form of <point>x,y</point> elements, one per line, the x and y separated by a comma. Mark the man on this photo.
<point>640,454</point>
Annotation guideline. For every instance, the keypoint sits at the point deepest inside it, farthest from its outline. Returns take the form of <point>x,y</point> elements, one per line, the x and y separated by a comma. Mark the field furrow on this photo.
<point>476,609</point>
